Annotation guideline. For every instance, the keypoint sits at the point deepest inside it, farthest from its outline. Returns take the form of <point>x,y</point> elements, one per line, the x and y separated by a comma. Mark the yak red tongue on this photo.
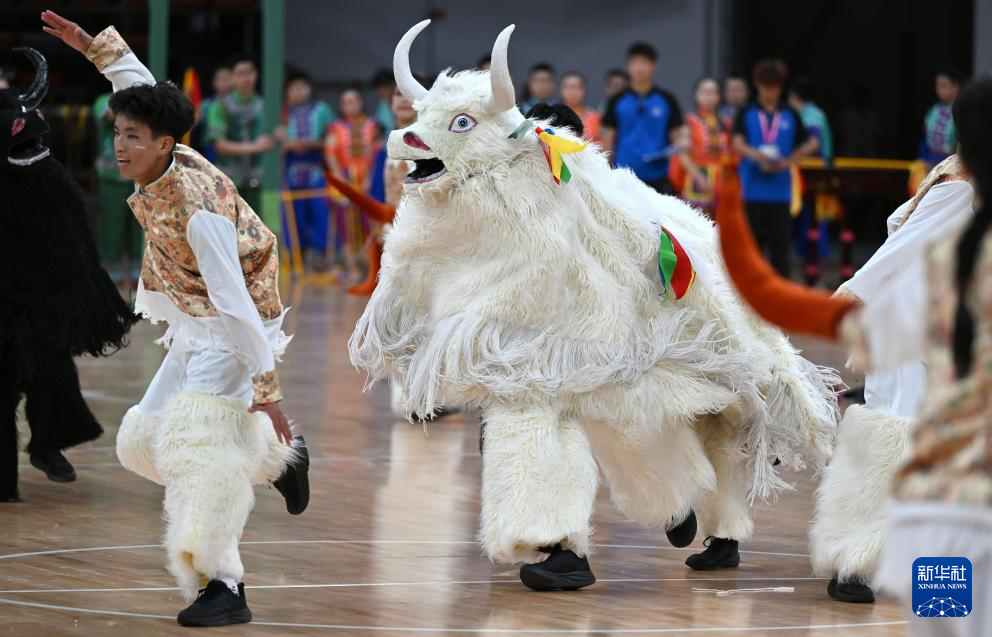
<point>380,212</point>
<point>779,301</point>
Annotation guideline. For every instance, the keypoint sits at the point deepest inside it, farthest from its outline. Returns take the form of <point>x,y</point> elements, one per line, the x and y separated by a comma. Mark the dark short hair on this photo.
<point>642,49</point>
<point>558,115</point>
<point>239,58</point>
<point>383,77</point>
<point>770,71</point>
<point>952,73</point>
<point>485,59</point>
<point>575,74</point>
<point>803,88</point>
<point>617,73</point>
<point>541,67</point>
<point>296,75</point>
<point>162,107</point>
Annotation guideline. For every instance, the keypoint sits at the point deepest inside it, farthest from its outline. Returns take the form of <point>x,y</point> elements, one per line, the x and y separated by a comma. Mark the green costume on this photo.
<point>237,119</point>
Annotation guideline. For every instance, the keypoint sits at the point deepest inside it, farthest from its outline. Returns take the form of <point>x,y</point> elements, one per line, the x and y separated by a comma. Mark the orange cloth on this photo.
<point>777,300</point>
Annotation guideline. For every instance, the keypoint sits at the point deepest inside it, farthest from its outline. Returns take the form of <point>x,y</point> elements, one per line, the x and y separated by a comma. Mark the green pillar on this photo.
<point>273,59</point>
<point>158,37</point>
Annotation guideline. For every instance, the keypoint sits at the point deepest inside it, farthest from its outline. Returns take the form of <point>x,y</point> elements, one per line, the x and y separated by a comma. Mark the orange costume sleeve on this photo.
<point>383,213</point>
<point>777,300</point>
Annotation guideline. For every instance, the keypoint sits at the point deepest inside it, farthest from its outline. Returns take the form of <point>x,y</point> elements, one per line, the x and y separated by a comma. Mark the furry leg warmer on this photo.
<point>724,512</point>
<point>848,532</point>
<point>654,476</point>
<point>206,455</point>
<point>136,442</point>
<point>539,483</point>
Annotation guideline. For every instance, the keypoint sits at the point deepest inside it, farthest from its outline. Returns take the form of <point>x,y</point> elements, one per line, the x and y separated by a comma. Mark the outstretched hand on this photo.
<point>65,30</point>
<point>279,421</point>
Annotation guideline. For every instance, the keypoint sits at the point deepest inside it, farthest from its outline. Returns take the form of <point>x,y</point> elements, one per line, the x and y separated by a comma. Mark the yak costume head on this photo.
<point>459,120</point>
<point>22,125</point>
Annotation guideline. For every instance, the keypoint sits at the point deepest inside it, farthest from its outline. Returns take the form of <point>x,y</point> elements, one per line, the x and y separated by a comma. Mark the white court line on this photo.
<point>9,556</point>
<point>154,589</point>
<point>410,629</point>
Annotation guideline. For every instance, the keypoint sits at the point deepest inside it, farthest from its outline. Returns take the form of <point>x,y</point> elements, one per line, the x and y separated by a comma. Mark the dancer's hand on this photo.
<point>279,421</point>
<point>65,30</point>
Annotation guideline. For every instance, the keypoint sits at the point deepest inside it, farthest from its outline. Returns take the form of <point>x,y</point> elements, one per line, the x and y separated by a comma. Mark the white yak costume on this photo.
<point>540,304</point>
<point>848,532</point>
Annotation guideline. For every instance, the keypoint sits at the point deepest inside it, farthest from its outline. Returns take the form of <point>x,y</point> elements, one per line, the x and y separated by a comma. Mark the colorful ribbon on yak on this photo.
<point>674,266</point>
<point>553,146</point>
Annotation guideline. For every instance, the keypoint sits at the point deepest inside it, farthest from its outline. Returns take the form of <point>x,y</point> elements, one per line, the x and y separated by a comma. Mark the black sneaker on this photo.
<point>14,496</point>
<point>437,414</point>
<point>719,553</point>
<point>55,466</point>
<point>563,570</point>
<point>852,591</point>
<point>683,534</point>
<point>294,483</point>
<point>217,605</point>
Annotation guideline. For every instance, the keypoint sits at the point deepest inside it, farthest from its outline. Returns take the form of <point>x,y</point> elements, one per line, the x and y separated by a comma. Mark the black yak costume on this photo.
<point>56,302</point>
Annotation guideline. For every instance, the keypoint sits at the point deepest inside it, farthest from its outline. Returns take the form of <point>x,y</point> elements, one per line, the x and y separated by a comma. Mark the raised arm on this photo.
<point>107,51</point>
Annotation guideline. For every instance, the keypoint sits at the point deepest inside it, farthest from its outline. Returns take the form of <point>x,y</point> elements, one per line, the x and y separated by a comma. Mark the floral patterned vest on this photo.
<point>164,209</point>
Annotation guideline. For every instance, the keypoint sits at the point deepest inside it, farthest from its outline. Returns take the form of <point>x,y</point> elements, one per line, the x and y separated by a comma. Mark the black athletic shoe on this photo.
<point>55,466</point>
<point>217,605</point>
<point>11,497</point>
<point>851,591</point>
<point>719,553</point>
<point>683,534</point>
<point>294,483</point>
<point>563,570</point>
<point>437,414</point>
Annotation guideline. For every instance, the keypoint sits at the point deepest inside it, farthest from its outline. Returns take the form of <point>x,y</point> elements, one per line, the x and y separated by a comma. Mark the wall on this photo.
<point>983,37</point>
<point>348,40</point>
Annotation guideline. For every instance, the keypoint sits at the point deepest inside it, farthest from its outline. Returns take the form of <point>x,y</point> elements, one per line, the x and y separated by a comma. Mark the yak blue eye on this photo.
<point>462,123</point>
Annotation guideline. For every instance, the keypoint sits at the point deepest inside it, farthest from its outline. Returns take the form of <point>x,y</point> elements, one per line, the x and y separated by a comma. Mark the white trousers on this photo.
<point>193,434</point>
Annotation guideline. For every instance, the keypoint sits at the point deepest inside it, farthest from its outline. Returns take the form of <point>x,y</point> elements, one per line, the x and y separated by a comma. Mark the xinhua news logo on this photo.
<point>942,587</point>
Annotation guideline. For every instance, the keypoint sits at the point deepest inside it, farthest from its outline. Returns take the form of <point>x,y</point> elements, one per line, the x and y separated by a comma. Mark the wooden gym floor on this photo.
<point>387,545</point>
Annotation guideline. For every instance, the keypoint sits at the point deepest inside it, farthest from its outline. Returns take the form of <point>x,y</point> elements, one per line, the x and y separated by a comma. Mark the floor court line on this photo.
<point>9,556</point>
<point>621,580</point>
<point>439,629</point>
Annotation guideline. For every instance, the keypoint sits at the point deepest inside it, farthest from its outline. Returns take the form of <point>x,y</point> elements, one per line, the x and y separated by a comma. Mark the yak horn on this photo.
<point>39,87</point>
<point>408,85</point>
<point>503,97</point>
<point>777,300</point>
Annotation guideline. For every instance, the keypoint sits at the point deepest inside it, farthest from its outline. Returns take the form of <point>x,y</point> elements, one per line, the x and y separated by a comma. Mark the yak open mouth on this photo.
<point>426,170</point>
<point>28,152</point>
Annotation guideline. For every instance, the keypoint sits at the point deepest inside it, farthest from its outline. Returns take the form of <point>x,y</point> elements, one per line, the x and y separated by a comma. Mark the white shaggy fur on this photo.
<point>500,288</point>
<point>848,534</point>
<point>208,452</point>
<point>136,443</point>
<point>538,483</point>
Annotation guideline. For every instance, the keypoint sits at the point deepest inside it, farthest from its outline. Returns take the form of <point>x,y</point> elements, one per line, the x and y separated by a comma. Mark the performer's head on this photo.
<point>299,88</point>
<point>947,82</point>
<point>642,61</point>
<point>244,74</point>
<point>769,78</point>
<point>22,125</point>
<point>149,120</point>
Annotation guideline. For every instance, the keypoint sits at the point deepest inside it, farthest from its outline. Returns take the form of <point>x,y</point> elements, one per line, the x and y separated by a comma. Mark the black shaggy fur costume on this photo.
<point>56,302</point>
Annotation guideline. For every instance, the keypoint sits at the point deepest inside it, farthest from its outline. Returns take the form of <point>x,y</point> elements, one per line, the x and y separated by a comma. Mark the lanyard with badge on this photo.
<point>769,134</point>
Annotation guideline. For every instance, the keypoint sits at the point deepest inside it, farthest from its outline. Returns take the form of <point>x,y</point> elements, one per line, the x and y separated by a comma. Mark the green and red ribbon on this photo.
<point>674,267</point>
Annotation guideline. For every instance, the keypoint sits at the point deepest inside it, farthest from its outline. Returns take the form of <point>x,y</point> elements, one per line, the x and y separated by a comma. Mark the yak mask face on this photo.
<point>22,125</point>
<point>459,120</point>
